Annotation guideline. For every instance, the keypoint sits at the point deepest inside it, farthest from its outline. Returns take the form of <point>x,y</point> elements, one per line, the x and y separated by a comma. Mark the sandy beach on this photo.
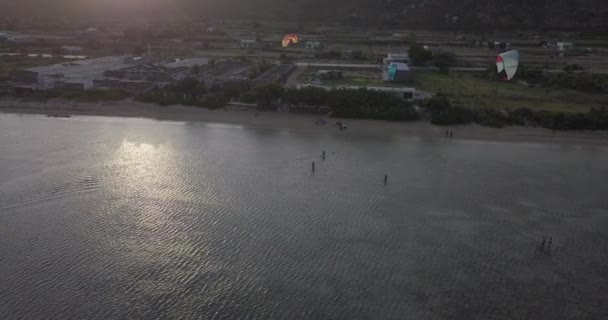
<point>298,122</point>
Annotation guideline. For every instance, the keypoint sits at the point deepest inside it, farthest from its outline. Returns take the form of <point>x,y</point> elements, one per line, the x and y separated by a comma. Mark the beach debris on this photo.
<point>341,125</point>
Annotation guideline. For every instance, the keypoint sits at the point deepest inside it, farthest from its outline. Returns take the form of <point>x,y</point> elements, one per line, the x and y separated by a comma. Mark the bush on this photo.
<point>443,113</point>
<point>520,116</point>
<point>453,115</point>
<point>491,118</point>
<point>173,95</point>
<point>96,95</point>
<point>419,55</point>
<point>232,90</point>
<point>444,60</point>
<point>579,81</point>
<point>530,74</point>
<point>369,104</point>
<point>598,118</point>
<point>307,96</point>
<point>92,95</point>
<point>268,93</point>
<point>403,112</point>
<point>335,53</point>
<point>248,97</point>
<point>438,103</point>
<point>573,67</point>
<point>595,119</point>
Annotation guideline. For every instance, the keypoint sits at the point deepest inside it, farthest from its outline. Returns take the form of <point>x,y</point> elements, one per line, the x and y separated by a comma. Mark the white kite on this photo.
<point>508,62</point>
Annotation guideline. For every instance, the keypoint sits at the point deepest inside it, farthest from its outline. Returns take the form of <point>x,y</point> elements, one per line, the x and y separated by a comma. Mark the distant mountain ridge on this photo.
<point>588,15</point>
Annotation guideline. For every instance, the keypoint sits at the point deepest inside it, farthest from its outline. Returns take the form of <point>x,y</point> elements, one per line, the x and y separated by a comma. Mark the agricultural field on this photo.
<point>472,91</point>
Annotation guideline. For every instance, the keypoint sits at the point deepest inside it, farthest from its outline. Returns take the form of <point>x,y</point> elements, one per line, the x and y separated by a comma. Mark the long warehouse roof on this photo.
<point>91,68</point>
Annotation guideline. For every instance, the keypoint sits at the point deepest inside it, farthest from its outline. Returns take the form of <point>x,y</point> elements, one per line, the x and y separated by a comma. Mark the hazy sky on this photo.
<point>86,6</point>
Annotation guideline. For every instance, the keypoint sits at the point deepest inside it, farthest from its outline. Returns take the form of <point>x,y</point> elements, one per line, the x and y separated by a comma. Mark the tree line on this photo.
<point>574,78</point>
<point>442,112</point>
<point>343,103</point>
<point>188,92</point>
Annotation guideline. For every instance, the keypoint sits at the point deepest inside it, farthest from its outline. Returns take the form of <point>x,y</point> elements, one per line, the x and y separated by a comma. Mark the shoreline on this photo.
<point>298,122</point>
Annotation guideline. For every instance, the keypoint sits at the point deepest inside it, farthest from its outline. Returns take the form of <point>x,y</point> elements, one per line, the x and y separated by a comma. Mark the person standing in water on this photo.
<point>542,245</point>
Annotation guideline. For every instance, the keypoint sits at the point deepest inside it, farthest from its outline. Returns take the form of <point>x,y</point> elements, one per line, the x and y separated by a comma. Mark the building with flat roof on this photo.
<point>188,63</point>
<point>248,43</point>
<point>312,45</point>
<point>396,71</point>
<point>80,73</point>
<point>71,49</point>
<point>397,57</point>
<point>15,37</point>
<point>276,74</point>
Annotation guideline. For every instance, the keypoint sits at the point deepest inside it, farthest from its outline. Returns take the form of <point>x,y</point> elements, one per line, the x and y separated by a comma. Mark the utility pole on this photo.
<point>147,23</point>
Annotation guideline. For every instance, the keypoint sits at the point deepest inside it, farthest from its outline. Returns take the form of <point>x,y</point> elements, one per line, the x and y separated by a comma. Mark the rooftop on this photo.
<point>187,63</point>
<point>89,69</point>
<point>399,66</point>
<point>398,55</point>
<point>275,73</point>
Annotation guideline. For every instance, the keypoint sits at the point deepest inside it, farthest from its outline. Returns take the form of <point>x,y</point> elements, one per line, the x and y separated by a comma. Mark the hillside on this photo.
<point>587,15</point>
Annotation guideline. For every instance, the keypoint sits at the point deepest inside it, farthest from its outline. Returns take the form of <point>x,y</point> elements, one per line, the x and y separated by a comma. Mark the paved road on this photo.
<point>376,66</point>
<point>337,65</point>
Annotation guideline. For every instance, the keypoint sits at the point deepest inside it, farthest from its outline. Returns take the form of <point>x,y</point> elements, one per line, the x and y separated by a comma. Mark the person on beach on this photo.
<point>385,179</point>
<point>451,134</point>
<point>549,245</point>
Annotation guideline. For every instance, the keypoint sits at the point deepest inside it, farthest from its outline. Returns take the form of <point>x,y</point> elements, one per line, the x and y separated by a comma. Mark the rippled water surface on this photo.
<point>136,219</point>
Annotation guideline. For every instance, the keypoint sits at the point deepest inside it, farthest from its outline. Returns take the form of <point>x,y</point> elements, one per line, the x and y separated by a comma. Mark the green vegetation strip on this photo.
<point>476,92</point>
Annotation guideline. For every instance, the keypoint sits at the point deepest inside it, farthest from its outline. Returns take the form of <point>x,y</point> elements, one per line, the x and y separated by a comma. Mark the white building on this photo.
<point>71,49</point>
<point>248,43</point>
<point>563,46</point>
<point>77,74</point>
<point>15,37</point>
<point>397,57</point>
<point>313,45</point>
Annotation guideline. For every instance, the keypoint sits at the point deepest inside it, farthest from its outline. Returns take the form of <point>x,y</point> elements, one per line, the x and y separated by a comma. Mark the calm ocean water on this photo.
<point>106,218</point>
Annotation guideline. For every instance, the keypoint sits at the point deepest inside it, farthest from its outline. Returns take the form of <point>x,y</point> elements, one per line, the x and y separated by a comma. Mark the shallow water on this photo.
<point>105,218</point>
